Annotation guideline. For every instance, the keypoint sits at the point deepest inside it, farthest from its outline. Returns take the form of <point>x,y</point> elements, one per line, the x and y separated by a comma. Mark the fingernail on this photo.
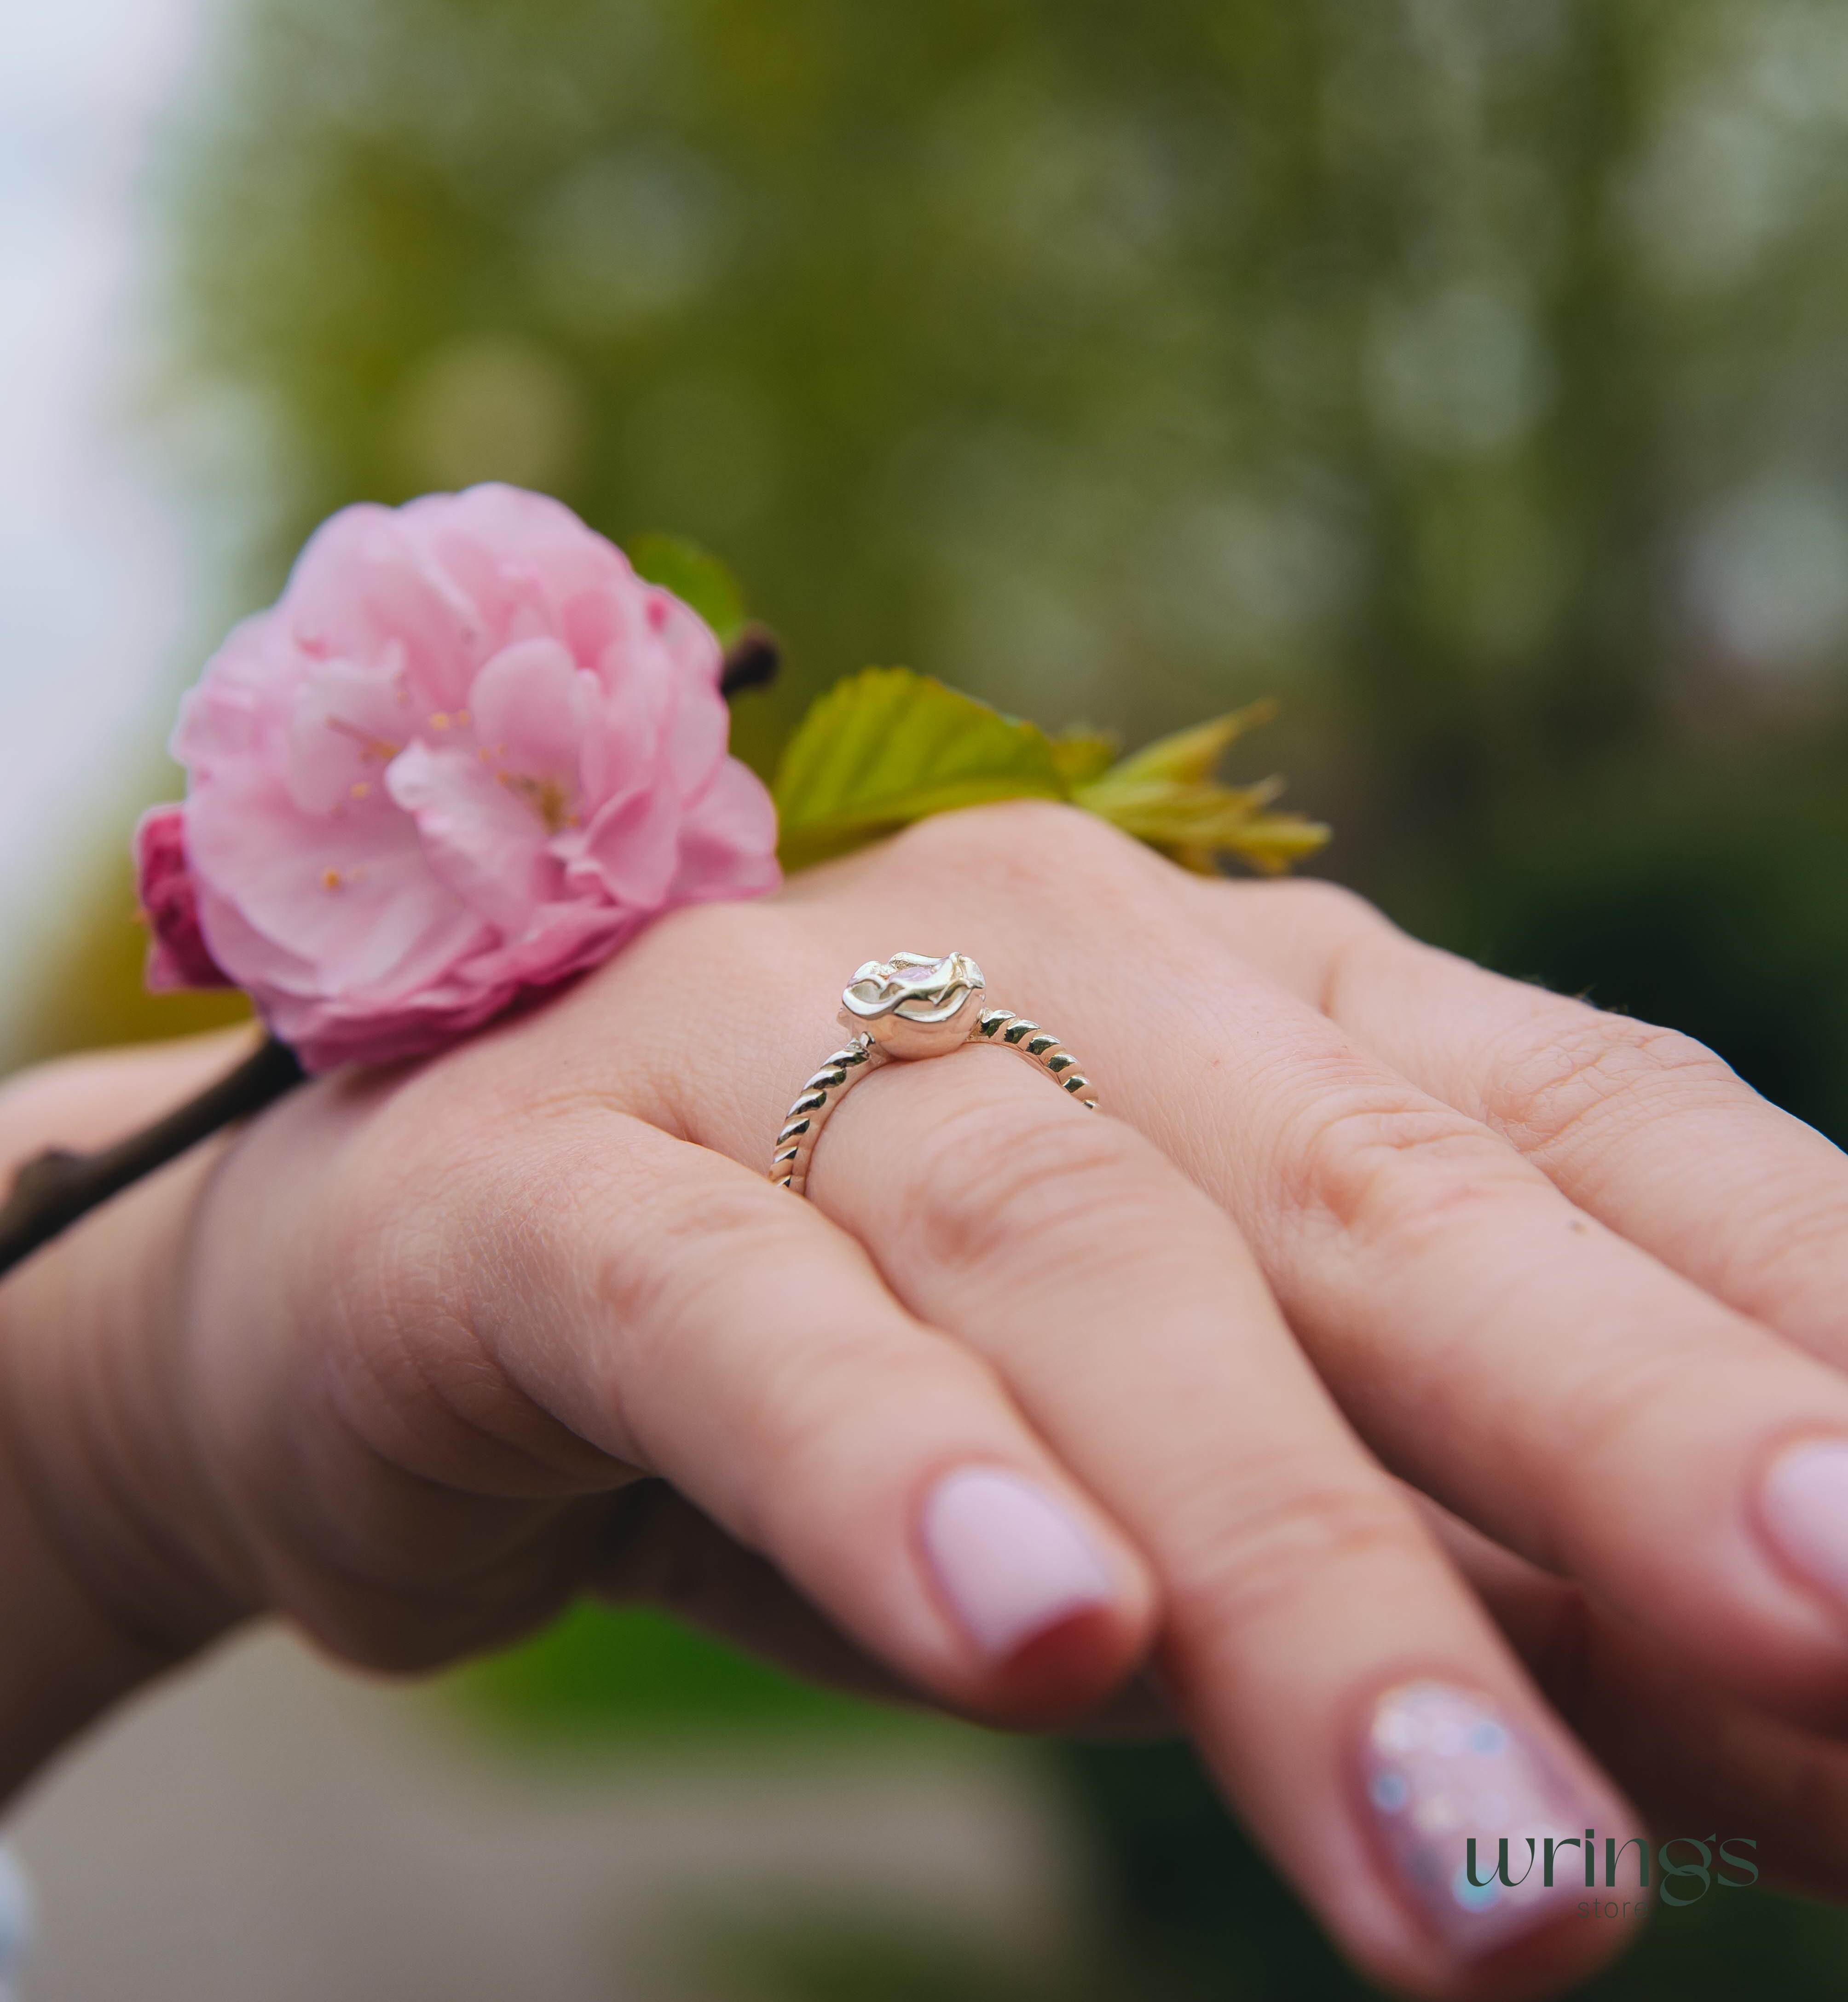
<point>1805,1511</point>
<point>1010,1560</point>
<point>1442,1766</point>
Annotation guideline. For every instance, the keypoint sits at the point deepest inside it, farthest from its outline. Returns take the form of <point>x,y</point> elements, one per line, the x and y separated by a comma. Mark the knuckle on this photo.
<point>1583,1068</point>
<point>1349,933</point>
<point>999,1184</point>
<point>1035,842</point>
<point>1334,903</point>
<point>1318,935</point>
<point>1380,1164</point>
<point>1279,1537</point>
<point>1329,912</point>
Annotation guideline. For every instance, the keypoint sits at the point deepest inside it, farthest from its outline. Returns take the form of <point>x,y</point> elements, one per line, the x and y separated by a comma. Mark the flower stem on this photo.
<point>55,1188</point>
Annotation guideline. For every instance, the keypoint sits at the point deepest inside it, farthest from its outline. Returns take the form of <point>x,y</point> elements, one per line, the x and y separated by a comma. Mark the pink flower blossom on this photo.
<point>177,955</point>
<point>466,755</point>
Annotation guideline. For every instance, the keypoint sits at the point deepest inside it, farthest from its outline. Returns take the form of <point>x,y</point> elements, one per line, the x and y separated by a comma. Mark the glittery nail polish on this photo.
<point>1441,1766</point>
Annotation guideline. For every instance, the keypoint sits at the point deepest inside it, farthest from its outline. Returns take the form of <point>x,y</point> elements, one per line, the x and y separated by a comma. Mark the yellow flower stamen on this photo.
<point>546,796</point>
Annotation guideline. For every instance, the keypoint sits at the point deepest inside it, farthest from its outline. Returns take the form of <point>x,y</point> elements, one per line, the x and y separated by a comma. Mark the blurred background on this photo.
<point>1472,375</point>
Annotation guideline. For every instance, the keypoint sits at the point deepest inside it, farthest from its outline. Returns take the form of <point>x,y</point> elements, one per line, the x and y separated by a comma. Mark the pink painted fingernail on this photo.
<point>1011,1561</point>
<point>1443,1767</point>
<point>1805,1512</point>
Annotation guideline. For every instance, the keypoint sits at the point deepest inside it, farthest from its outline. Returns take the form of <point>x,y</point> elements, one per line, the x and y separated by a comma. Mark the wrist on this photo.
<point>116,1564</point>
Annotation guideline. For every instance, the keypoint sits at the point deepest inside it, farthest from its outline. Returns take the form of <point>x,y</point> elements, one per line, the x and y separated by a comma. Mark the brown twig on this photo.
<point>55,1188</point>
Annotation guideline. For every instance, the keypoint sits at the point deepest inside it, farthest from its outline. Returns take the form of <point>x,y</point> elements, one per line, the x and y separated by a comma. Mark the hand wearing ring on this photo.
<point>911,1006</point>
<point>1016,1401</point>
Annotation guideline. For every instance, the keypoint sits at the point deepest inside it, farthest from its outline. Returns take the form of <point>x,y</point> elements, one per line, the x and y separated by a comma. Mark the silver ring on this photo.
<point>907,1007</point>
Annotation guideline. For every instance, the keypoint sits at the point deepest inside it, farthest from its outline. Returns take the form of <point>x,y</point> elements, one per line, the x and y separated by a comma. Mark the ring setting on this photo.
<point>912,1006</point>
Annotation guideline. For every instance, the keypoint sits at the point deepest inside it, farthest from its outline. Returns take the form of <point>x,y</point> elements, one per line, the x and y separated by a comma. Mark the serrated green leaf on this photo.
<point>1175,816</point>
<point>1193,825</point>
<point>887,747</point>
<point>1275,841</point>
<point>1082,756</point>
<point>1190,757</point>
<point>1165,795</point>
<point>695,576</point>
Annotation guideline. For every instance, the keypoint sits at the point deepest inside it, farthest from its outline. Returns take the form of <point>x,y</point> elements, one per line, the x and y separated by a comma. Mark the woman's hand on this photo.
<point>1023,1391</point>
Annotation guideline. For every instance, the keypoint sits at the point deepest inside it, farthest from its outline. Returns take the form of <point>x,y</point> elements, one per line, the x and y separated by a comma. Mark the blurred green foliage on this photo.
<point>1468,373</point>
<point>850,1955</point>
<point>631,1673</point>
<point>695,576</point>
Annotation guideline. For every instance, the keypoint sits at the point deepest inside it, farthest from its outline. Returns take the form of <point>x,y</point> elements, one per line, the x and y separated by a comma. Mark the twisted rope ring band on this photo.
<point>904,1008</point>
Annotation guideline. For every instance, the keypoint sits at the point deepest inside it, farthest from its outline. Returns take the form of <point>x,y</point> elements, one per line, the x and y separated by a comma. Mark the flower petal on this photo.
<point>357,901</point>
<point>481,838</point>
<point>365,581</point>
<point>728,841</point>
<point>177,953</point>
<point>349,724</point>
<point>531,707</point>
<point>630,852</point>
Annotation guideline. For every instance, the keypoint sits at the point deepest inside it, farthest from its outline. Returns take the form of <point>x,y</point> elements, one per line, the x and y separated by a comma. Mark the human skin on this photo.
<point>1410,1369</point>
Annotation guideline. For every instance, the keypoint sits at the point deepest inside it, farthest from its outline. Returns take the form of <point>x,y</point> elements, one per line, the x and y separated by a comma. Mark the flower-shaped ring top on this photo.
<point>912,1005</point>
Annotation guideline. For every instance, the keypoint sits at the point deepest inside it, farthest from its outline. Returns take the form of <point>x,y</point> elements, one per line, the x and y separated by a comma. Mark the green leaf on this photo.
<point>886,747</point>
<point>1082,756</point>
<point>695,576</point>
<point>1273,841</point>
<point>1180,816</point>
<point>1190,757</point>
<point>1165,795</point>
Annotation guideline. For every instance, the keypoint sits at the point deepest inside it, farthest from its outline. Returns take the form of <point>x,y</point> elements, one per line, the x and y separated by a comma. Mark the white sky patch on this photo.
<point>92,582</point>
